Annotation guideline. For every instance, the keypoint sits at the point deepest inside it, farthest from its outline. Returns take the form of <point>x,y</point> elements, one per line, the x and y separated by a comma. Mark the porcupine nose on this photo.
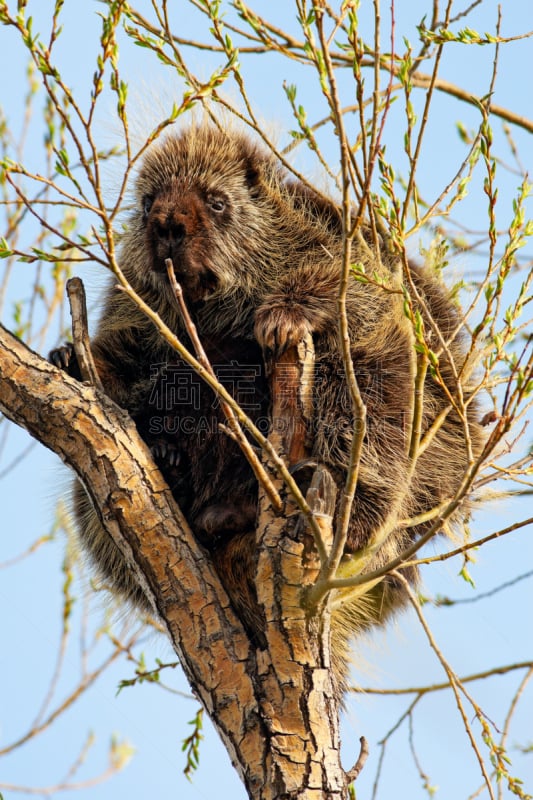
<point>168,236</point>
<point>170,233</point>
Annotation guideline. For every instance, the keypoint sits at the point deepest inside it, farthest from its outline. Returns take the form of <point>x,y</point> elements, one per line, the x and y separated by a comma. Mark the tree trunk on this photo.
<point>275,709</point>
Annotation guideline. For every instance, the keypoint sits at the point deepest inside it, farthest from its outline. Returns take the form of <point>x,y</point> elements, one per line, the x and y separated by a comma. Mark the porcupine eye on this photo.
<point>216,203</point>
<point>147,203</point>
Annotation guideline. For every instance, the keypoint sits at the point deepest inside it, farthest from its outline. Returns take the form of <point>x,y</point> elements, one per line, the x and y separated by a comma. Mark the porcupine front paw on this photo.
<point>279,327</point>
<point>165,454</point>
<point>63,357</point>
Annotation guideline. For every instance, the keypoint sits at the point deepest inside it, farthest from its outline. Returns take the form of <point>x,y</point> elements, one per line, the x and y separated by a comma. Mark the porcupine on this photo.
<point>258,256</point>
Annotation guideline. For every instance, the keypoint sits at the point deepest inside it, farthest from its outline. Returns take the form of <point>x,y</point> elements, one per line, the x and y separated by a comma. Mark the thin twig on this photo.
<point>233,423</point>
<point>439,687</point>
<point>455,682</point>
<point>353,773</point>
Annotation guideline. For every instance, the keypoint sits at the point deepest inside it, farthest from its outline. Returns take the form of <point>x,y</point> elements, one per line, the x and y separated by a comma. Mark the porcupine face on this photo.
<point>180,225</point>
<point>200,206</point>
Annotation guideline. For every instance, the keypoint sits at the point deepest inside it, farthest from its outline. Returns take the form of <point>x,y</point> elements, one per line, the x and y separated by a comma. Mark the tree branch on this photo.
<point>80,334</point>
<point>100,442</point>
<point>260,702</point>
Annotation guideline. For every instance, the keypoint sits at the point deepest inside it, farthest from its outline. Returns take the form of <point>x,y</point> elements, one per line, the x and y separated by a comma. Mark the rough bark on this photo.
<point>275,709</point>
<point>294,675</point>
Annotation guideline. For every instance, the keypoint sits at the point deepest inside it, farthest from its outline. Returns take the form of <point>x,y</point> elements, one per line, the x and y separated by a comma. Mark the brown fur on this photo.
<point>258,257</point>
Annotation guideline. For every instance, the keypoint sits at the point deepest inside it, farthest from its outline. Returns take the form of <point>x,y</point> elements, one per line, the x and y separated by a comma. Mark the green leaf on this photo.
<point>5,252</point>
<point>465,575</point>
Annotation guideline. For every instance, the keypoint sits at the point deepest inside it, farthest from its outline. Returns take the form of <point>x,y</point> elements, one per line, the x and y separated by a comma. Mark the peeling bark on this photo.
<point>275,709</point>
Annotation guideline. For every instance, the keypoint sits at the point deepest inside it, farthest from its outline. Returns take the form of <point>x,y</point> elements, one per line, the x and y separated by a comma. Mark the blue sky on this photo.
<point>473,636</point>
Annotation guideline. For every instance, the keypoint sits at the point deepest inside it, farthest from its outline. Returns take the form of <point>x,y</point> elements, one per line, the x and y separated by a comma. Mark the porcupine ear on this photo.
<point>259,167</point>
<point>252,173</point>
<point>261,171</point>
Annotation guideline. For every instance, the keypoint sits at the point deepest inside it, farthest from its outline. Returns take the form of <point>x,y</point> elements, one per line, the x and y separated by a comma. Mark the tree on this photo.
<point>332,46</point>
